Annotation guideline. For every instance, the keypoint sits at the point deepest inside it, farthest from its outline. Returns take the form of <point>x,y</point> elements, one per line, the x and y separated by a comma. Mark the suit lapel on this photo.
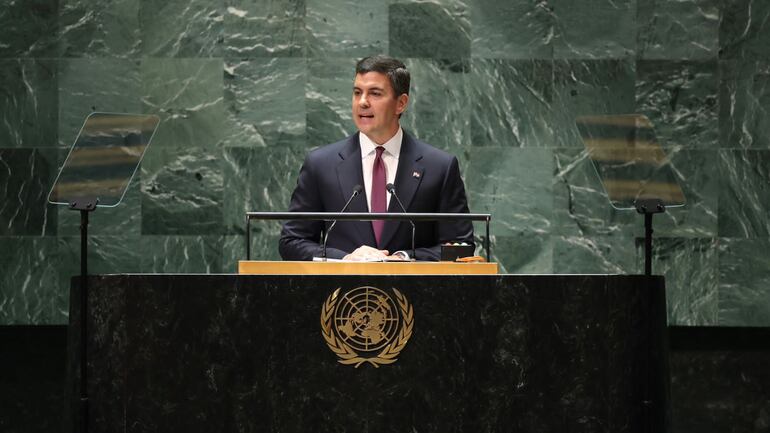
<point>408,177</point>
<point>350,174</point>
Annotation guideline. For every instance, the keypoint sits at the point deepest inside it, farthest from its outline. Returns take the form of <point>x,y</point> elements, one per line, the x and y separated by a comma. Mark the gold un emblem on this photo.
<point>366,324</point>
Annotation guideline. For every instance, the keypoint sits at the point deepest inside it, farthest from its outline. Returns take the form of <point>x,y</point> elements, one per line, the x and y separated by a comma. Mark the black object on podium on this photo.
<point>487,353</point>
<point>96,173</point>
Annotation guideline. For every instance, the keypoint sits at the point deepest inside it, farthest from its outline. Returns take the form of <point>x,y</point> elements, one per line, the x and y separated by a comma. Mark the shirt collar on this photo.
<point>392,146</point>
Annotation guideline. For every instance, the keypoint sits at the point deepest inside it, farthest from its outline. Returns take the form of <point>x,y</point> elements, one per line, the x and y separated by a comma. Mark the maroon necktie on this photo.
<point>379,199</point>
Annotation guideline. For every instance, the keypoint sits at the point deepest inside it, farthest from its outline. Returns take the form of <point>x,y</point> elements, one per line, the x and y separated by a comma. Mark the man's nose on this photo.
<point>362,101</point>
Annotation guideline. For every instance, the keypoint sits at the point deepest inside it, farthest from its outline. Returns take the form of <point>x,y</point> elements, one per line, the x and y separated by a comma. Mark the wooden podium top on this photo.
<point>364,268</point>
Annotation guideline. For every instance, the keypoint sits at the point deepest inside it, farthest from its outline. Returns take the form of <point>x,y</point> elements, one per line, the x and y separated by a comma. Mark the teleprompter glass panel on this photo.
<point>631,164</point>
<point>104,158</point>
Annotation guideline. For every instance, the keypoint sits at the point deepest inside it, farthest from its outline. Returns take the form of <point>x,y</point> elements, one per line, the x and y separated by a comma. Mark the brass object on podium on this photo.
<point>367,325</point>
<point>254,267</point>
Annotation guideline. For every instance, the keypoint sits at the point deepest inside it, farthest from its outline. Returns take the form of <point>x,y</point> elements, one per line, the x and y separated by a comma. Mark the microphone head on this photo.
<point>357,189</point>
<point>390,187</point>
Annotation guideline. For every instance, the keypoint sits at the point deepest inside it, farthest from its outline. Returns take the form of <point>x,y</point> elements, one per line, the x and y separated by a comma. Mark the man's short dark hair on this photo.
<point>393,68</point>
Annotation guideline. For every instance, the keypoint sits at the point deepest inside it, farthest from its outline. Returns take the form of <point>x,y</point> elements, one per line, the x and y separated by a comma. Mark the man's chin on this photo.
<point>364,127</point>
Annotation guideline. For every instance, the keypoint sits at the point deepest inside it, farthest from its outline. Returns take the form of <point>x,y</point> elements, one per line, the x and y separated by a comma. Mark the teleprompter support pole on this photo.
<point>648,208</point>
<point>487,242</point>
<point>648,244</point>
<point>248,238</point>
<point>85,206</point>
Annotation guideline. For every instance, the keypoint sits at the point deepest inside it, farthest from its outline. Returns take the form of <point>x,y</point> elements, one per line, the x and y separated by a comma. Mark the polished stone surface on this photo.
<point>682,29</point>
<point>439,95</point>
<point>487,353</point>
<point>28,103</point>
<point>720,391</point>
<point>264,29</point>
<point>743,30</point>
<point>328,97</point>
<point>182,191</point>
<point>250,188</point>
<point>517,29</point>
<point>25,179</point>
<point>346,28</point>
<point>514,184</point>
<point>594,29</point>
<point>744,282</point>
<point>580,203</point>
<point>118,89</point>
<point>585,87</point>
<point>429,29</point>
<point>44,292</point>
<point>744,200</point>
<point>680,98</point>
<point>744,92</point>
<point>33,372</point>
<point>245,87</point>
<point>718,379</point>
<point>694,296</point>
<point>29,29</point>
<point>515,103</point>
<point>265,102</point>
<point>181,29</point>
<point>100,28</point>
<point>187,94</point>
<point>124,219</point>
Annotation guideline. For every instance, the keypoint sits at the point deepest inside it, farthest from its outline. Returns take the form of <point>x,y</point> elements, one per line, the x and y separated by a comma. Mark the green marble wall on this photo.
<point>246,87</point>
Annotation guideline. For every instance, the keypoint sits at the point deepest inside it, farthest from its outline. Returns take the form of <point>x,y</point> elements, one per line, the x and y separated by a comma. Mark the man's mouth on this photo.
<point>366,116</point>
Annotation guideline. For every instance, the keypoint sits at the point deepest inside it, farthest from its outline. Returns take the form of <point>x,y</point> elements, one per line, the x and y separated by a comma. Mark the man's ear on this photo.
<point>403,101</point>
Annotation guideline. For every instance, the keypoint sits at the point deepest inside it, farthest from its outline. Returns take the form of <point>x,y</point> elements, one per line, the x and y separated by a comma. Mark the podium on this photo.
<point>486,353</point>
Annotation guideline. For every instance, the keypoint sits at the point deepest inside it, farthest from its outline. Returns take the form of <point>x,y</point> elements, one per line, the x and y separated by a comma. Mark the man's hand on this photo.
<point>366,253</point>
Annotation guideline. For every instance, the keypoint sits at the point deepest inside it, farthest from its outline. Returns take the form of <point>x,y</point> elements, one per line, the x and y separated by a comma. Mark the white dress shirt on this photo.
<point>389,157</point>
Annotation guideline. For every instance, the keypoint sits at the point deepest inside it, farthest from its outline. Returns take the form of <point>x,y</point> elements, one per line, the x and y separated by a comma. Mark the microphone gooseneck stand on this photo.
<point>325,235</point>
<point>367,216</point>
<point>85,206</point>
<point>392,190</point>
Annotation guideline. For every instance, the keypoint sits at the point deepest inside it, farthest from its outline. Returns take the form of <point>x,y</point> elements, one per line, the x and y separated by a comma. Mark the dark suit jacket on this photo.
<point>427,180</point>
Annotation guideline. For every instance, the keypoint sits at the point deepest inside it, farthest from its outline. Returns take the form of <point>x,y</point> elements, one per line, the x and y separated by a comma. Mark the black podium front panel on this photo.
<point>229,353</point>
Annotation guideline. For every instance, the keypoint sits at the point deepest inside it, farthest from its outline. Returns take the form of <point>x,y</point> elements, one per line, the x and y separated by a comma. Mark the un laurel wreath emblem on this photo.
<point>366,325</point>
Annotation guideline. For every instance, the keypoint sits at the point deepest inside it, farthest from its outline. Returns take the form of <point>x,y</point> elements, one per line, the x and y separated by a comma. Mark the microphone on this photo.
<point>392,190</point>
<point>356,190</point>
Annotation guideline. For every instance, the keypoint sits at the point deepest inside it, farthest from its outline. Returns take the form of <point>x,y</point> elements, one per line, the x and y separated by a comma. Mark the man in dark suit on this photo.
<point>426,179</point>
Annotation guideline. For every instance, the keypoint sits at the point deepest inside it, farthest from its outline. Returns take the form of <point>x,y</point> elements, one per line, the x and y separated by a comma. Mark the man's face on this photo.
<point>376,106</point>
